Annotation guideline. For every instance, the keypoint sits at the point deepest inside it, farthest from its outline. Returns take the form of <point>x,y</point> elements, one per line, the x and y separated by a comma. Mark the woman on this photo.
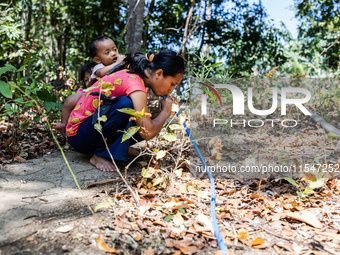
<point>160,72</point>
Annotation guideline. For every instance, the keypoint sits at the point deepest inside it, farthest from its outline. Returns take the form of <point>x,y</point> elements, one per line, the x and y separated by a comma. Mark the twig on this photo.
<point>236,240</point>
<point>185,35</point>
<point>140,154</point>
<point>324,50</point>
<point>174,29</point>
<point>135,196</point>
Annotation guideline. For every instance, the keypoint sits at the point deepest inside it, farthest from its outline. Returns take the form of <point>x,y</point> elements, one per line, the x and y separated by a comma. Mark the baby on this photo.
<point>105,56</point>
<point>104,52</point>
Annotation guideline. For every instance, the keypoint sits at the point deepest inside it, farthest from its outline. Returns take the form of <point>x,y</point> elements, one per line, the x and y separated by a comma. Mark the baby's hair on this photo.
<point>169,61</point>
<point>86,68</point>
<point>92,46</point>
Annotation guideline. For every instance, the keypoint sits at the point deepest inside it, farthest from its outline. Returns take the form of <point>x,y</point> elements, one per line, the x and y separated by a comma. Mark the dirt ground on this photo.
<point>43,212</point>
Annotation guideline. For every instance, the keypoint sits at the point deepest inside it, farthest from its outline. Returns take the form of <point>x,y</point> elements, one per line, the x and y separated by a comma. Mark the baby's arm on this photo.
<point>104,70</point>
<point>68,106</point>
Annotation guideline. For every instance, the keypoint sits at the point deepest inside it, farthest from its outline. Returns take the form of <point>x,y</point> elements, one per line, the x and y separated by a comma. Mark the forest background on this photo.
<point>45,35</point>
<point>45,43</point>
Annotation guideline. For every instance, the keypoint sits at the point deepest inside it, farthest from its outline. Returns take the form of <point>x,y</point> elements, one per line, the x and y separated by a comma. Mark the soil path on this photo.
<point>40,197</point>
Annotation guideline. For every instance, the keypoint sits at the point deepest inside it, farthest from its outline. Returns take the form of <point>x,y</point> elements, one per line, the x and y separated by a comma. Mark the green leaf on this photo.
<point>130,111</point>
<point>182,210</point>
<point>44,95</point>
<point>19,100</point>
<point>24,125</point>
<point>8,106</point>
<point>48,105</point>
<point>114,237</point>
<point>170,137</point>
<point>159,208</point>
<point>21,68</point>
<point>145,171</point>
<point>5,90</point>
<point>53,98</point>
<point>142,113</point>
<point>102,118</point>
<point>98,127</point>
<point>332,136</point>
<point>130,132</point>
<point>7,68</point>
<point>213,65</point>
<point>36,118</point>
<point>175,126</point>
<point>26,59</point>
<point>168,218</point>
<point>291,181</point>
<point>23,154</point>
<point>105,204</point>
<point>308,190</point>
<point>315,184</point>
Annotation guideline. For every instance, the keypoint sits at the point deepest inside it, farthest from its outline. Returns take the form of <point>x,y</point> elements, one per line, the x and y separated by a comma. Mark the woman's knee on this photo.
<point>124,102</point>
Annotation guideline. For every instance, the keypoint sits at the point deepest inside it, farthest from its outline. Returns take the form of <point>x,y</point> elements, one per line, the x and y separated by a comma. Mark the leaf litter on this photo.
<point>173,216</point>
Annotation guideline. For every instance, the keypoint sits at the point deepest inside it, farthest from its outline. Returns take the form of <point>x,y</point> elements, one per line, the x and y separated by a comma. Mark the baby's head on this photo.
<point>85,74</point>
<point>103,50</point>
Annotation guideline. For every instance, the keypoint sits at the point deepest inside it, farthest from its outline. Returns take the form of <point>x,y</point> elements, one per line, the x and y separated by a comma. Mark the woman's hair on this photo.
<point>169,61</point>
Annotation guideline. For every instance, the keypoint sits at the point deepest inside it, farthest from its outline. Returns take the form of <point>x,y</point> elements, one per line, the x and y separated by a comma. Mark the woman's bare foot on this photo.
<point>103,164</point>
<point>132,152</point>
<point>59,127</point>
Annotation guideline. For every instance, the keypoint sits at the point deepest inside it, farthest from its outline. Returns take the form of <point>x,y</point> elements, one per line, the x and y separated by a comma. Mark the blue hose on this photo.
<point>217,232</point>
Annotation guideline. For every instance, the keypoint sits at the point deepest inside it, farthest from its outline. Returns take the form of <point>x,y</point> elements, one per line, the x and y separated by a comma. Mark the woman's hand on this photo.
<point>167,103</point>
<point>152,126</point>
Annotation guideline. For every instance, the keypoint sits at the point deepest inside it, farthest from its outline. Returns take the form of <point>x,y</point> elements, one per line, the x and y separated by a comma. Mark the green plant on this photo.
<point>25,102</point>
<point>304,191</point>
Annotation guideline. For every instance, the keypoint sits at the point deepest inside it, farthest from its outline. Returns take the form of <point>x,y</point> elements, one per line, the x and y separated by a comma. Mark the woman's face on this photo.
<point>162,85</point>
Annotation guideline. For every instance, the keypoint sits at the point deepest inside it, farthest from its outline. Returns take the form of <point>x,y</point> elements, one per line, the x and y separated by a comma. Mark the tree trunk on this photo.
<point>207,32</point>
<point>135,26</point>
<point>28,20</point>
<point>185,38</point>
<point>28,23</point>
<point>146,35</point>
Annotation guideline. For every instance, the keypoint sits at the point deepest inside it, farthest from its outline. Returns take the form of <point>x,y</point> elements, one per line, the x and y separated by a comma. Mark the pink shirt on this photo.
<point>118,84</point>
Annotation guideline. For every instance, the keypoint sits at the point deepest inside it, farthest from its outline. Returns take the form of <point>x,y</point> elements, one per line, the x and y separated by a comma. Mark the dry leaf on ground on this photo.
<point>258,241</point>
<point>137,236</point>
<point>305,216</point>
<point>243,234</point>
<point>149,251</point>
<point>64,229</point>
<point>178,219</point>
<point>189,250</point>
<point>102,246</point>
